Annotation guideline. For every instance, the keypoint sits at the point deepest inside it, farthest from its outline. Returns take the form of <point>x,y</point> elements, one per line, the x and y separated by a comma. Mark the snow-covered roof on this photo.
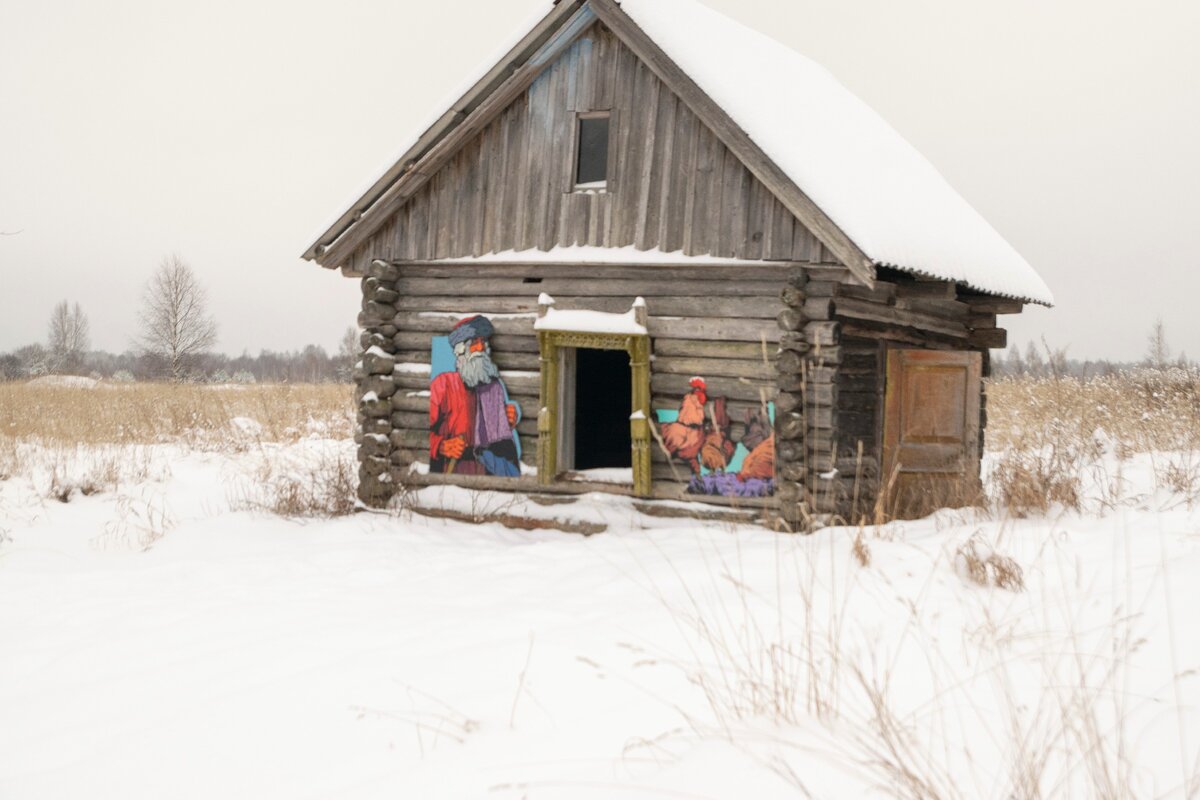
<point>894,205</point>
<point>859,170</point>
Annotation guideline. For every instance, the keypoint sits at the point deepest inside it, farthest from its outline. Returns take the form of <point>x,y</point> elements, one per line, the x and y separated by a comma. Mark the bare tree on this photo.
<point>176,326</point>
<point>348,354</point>
<point>1158,352</point>
<point>69,337</point>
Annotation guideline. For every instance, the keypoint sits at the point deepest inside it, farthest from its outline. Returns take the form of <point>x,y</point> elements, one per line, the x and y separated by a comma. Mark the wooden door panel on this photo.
<point>931,429</point>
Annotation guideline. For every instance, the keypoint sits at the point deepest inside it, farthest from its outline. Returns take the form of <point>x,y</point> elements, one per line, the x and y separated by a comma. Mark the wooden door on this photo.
<point>931,430</point>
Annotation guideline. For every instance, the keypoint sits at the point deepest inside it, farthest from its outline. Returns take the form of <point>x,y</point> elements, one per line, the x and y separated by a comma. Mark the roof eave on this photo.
<point>459,111</point>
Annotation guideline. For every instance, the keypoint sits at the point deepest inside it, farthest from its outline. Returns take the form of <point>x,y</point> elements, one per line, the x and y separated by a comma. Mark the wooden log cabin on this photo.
<point>652,252</point>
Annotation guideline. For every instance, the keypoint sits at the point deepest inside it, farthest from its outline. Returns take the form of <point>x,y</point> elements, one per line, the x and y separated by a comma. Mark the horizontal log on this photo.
<point>847,382</point>
<point>734,388</point>
<point>738,307</point>
<point>418,453</point>
<point>822,333</point>
<point>737,409</point>
<point>720,329</point>
<point>985,304</point>
<point>794,340</point>
<point>416,421</point>
<point>881,292</point>
<point>824,289</point>
<point>991,338</point>
<point>979,321</point>
<point>828,272</point>
<point>818,308</point>
<point>587,287</point>
<point>711,367</point>
<point>778,271</point>
<point>890,333</point>
<point>504,359</point>
<point>420,340</point>
<point>529,485</point>
<point>942,290</point>
<point>753,351</point>
<point>516,384</point>
<point>860,310</point>
<point>950,309</point>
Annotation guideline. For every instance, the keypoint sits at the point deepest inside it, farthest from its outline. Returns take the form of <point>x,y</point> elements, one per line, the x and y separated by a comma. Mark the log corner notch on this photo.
<point>374,377</point>
<point>791,412</point>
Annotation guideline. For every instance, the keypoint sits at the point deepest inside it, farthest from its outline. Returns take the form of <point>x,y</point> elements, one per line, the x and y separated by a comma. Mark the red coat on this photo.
<point>451,413</point>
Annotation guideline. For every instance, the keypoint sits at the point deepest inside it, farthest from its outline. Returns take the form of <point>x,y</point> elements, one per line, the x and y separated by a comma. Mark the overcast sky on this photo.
<point>232,132</point>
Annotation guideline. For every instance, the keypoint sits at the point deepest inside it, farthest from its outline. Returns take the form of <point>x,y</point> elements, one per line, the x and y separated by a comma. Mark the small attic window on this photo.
<point>591,162</point>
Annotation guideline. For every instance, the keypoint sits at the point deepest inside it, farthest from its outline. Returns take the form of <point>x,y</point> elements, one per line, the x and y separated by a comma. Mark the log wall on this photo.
<point>717,322</point>
<point>900,311</point>
<point>672,184</point>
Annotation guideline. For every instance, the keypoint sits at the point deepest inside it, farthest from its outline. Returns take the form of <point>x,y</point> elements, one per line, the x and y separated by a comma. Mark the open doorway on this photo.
<point>603,398</point>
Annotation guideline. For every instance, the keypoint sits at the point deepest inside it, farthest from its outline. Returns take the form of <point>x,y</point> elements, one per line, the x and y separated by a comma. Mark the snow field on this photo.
<point>236,653</point>
<point>188,610</point>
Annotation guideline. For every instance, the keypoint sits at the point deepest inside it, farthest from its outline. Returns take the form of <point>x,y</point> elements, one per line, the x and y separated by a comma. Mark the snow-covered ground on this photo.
<point>158,642</point>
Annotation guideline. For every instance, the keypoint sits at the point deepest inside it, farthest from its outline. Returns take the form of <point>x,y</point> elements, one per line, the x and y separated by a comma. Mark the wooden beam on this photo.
<point>737,140</point>
<point>531,51</point>
<point>986,304</point>
<point>991,338</point>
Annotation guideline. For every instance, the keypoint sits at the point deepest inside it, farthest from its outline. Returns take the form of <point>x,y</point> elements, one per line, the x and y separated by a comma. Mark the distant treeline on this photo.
<point>310,365</point>
<point>1044,361</point>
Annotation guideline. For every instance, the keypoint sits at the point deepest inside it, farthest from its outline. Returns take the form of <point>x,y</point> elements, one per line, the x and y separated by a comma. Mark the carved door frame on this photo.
<point>551,343</point>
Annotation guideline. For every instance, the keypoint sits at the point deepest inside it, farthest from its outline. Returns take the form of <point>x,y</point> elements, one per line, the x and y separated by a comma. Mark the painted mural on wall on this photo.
<point>472,422</point>
<point>700,434</point>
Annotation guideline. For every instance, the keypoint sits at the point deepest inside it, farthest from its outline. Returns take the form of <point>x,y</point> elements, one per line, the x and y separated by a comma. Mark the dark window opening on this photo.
<point>531,280</point>
<point>591,167</point>
<point>603,399</point>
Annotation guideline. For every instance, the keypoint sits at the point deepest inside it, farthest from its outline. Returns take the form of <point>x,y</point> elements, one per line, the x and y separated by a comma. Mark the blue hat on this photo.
<point>477,327</point>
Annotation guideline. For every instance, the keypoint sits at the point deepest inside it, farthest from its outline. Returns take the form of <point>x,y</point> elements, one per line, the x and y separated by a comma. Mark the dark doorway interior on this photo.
<point>603,399</point>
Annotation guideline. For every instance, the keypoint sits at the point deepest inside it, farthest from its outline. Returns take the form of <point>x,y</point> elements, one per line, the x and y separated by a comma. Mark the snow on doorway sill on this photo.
<point>602,475</point>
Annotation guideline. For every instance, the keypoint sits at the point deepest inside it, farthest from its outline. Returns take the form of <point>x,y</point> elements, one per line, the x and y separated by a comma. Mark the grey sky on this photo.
<point>231,132</point>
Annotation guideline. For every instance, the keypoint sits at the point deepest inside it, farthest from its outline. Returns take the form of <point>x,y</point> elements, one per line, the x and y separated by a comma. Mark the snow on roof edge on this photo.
<point>892,228</point>
<point>924,274</point>
<point>425,123</point>
<point>863,174</point>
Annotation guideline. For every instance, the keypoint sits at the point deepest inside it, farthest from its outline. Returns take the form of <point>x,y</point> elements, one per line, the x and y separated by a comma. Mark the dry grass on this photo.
<point>316,484</point>
<point>1135,412</point>
<point>983,565</point>
<point>1056,439</point>
<point>76,441</point>
<point>149,413</point>
<point>1049,692</point>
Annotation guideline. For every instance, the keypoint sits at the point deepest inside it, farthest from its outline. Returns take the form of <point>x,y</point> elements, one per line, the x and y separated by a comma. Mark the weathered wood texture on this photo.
<point>672,184</point>
<point>899,312</point>
<point>717,322</point>
<point>931,429</point>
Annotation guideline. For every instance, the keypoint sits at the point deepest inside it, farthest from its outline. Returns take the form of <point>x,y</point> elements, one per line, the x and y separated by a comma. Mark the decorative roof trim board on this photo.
<point>454,116</point>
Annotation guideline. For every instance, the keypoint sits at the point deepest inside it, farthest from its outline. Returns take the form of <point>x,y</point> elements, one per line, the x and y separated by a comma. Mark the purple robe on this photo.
<point>491,416</point>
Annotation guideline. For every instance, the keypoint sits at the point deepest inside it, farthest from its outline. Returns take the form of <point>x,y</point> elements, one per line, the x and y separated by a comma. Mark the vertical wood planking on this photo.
<point>673,185</point>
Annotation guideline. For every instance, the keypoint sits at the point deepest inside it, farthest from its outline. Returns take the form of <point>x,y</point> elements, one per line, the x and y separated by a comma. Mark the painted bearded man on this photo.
<point>470,419</point>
